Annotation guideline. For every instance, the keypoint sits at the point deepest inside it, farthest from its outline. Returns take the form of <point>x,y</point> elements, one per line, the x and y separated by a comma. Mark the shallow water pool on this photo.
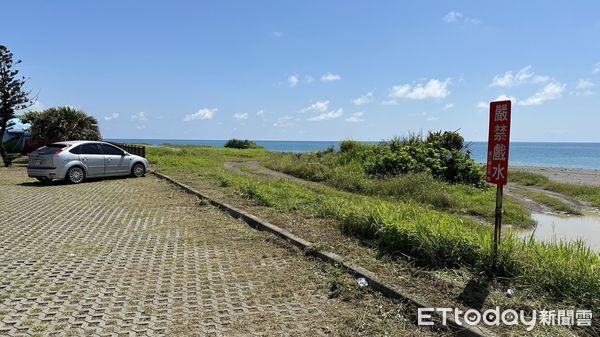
<point>563,227</point>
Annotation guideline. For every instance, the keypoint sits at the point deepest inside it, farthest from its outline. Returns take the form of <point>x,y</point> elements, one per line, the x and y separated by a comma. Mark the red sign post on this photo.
<point>497,157</point>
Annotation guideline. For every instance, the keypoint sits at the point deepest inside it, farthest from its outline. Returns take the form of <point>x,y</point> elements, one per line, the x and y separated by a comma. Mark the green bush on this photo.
<point>350,146</point>
<point>241,144</point>
<point>441,156</point>
<point>450,140</point>
<point>60,124</point>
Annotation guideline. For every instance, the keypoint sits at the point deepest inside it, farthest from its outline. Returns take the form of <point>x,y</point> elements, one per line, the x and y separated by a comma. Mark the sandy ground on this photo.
<point>565,175</point>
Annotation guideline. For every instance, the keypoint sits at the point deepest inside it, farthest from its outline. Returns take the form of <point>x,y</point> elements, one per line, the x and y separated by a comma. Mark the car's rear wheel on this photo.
<point>75,175</point>
<point>138,170</point>
<point>43,180</point>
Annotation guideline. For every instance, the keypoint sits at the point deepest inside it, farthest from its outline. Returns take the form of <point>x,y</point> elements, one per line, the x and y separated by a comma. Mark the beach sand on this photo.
<point>565,175</point>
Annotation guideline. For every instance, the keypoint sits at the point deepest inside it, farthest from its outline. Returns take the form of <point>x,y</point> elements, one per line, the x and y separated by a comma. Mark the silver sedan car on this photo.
<point>74,161</point>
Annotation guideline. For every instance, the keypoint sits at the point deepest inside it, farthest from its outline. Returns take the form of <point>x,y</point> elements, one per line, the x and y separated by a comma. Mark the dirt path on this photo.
<point>574,203</point>
<point>529,204</point>
<point>253,169</point>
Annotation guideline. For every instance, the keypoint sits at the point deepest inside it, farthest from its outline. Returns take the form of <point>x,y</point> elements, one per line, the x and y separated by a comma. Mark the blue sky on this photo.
<point>313,70</point>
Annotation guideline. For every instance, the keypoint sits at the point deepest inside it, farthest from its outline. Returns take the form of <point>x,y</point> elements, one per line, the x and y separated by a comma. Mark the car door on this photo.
<point>115,160</point>
<point>93,159</point>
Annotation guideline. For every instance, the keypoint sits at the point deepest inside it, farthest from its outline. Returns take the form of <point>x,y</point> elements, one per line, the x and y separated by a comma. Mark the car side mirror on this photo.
<point>124,154</point>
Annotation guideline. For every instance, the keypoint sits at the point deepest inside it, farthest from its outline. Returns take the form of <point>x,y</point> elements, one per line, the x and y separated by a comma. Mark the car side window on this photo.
<point>110,150</point>
<point>76,150</point>
<point>90,149</point>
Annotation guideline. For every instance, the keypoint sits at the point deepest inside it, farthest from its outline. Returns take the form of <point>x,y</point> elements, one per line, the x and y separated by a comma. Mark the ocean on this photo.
<point>568,155</point>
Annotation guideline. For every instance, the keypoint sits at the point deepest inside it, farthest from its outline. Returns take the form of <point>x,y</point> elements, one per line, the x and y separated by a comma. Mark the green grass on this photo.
<point>421,188</point>
<point>552,202</point>
<point>583,192</point>
<point>567,271</point>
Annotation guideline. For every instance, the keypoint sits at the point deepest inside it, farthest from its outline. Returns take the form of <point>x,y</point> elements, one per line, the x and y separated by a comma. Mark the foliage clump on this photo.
<point>62,124</point>
<point>441,154</point>
<point>241,144</point>
<point>13,96</point>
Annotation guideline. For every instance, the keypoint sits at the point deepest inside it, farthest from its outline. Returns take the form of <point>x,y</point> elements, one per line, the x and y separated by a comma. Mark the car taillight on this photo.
<point>61,150</point>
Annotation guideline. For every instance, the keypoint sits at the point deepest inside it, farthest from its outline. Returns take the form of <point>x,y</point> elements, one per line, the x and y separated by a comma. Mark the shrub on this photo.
<point>441,156</point>
<point>62,123</point>
<point>449,140</point>
<point>349,146</point>
<point>241,144</point>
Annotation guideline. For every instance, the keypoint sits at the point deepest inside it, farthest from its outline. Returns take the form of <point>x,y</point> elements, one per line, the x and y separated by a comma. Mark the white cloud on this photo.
<point>277,34</point>
<point>503,97</point>
<point>389,102</point>
<point>472,21</point>
<point>111,117</point>
<point>284,121</point>
<point>293,80</point>
<point>584,84</point>
<point>308,79</point>
<point>204,113</point>
<point>452,16</point>
<point>584,87</point>
<point>327,116</point>
<point>596,68</point>
<point>505,80</point>
<point>524,75</point>
<point>139,117</point>
<point>363,99</point>
<point>432,118</point>
<point>318,106</point>
<point>550,92</point>
<point>432,89</point>
<point>260,113</point>
<point>540,79</point>
<point>455,17</point>
<point>329,77</point>
<point>240,115</point>
<point>355,117</point>
<point>448,106</point>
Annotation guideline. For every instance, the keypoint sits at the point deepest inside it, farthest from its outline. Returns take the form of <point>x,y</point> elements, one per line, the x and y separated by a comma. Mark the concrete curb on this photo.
<point>374,282</point>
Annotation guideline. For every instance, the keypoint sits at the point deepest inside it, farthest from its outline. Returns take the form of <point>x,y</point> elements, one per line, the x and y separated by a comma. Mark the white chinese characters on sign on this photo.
<point>499,152</point>
<point>498,172</point>
<point>501,113</point>
<point>498,143</point>
<point>500,133</point>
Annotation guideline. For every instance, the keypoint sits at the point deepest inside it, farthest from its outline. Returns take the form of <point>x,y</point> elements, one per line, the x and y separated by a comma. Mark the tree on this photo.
<point>12,96</point>
<point>241,144</point>
<point>60,124</point>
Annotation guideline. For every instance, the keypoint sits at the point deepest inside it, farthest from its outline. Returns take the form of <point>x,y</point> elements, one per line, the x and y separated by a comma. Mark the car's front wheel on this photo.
<point>138,170</point>
<point>75,175</point>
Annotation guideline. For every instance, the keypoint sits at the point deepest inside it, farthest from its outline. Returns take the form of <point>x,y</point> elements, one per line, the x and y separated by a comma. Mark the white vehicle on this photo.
<point>74,161</point>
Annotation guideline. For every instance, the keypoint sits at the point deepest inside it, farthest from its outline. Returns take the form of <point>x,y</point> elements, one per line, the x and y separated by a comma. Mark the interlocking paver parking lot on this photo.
<point>126,257</point>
